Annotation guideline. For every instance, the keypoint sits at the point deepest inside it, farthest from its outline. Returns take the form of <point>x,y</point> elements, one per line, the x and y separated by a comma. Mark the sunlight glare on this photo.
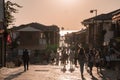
<point>68,2</point>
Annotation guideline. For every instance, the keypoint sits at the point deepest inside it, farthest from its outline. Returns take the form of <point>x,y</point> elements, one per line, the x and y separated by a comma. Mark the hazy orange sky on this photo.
<point>63,13</point>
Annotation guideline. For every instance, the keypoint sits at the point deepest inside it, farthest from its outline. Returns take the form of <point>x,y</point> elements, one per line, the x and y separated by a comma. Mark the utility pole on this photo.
<point>2,31</point>
<point>94,28</point>
<point>5,33</point>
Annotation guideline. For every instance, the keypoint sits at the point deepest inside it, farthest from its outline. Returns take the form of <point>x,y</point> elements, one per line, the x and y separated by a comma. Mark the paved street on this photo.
<point>50,72</point>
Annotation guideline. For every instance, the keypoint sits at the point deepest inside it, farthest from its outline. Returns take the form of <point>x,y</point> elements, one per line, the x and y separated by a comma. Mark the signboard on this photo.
<point>1,13</point>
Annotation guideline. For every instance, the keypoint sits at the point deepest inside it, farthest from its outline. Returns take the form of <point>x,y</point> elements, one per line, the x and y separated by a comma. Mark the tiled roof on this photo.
<point>116,16</point>
<point>37,26</point>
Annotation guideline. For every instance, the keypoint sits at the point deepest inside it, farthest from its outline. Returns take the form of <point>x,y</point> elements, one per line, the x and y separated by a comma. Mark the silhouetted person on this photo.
<point>81,60</point>
<point>91,61</point>
<point>76,55</point>
<point>97,60</point>
<point>25,58</point>
<point>71,58</point>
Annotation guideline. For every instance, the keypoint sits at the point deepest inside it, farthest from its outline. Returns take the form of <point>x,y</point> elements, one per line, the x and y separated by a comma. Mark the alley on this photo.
<point>51,72</point>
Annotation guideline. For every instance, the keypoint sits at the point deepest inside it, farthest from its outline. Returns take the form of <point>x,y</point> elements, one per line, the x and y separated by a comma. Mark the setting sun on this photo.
<point>68,2</point>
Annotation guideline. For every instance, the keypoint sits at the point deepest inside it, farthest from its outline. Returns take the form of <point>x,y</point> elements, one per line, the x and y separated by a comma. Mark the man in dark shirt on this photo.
<point>25,58</point>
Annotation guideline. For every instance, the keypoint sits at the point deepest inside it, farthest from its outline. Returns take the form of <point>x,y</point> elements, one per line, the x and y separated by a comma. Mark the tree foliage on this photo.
<point>10,8</point>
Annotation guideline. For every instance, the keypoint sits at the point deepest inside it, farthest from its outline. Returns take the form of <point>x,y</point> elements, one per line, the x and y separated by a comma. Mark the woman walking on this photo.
<point>81,60</point>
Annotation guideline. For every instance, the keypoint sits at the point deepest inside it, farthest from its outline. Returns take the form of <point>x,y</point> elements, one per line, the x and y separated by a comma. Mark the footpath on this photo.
<point>52,72</point>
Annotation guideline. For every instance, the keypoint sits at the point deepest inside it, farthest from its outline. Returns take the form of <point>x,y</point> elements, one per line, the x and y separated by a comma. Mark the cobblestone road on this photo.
<point>50,72</point>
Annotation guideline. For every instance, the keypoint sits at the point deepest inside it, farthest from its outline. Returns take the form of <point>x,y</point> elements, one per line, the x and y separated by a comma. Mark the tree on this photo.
<point>9,10</point>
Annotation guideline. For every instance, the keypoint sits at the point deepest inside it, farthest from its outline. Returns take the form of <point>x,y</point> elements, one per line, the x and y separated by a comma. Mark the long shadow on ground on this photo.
<point>12,76</point>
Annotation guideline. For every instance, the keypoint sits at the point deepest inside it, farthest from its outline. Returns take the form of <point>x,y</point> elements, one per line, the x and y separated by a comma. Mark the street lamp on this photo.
<point>94,10</point>
<point>94,28</point>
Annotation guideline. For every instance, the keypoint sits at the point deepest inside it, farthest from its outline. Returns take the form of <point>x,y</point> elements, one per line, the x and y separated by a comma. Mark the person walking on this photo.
<point>86,54</point>
<point>76,55</point>
<point>97,61</point>
<point>91,61</point>
<point>71,58</point>
<point>25,58</point>
<point>52,57</point>
<point>81,60</point>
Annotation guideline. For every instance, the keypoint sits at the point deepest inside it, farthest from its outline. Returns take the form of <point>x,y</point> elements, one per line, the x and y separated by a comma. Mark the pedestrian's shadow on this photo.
<point>83,78</point>
<point>12,76</point>
<point>94,78</point>
<point>63,70</point>
<point>103,76</point>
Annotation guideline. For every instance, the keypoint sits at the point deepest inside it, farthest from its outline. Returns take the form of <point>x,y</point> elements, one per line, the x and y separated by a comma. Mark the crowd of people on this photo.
<point>82,57</point>
<point>90,57</point>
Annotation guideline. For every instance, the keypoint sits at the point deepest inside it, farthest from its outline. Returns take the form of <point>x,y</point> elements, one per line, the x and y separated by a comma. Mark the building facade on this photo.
<point>99,30</point>
<point>76,38</point>
<point>35,36</point>
<point>116,22</point>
